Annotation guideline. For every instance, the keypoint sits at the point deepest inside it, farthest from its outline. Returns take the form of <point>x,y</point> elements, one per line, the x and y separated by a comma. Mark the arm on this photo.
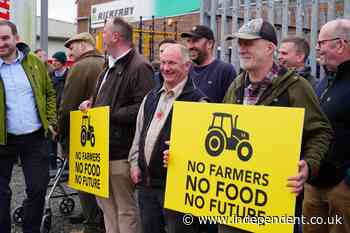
<point>140,84</point>
<point>317,132</point>
<point>135,171</point>
<point>80,85</point>
<point>51,111</point>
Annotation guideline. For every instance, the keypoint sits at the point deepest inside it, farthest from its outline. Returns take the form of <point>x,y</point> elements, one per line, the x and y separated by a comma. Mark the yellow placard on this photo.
<point>230,163</point>
<point>88,151</point>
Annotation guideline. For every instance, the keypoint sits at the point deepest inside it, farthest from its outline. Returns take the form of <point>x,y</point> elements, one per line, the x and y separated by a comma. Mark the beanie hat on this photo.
<point>60,56</point>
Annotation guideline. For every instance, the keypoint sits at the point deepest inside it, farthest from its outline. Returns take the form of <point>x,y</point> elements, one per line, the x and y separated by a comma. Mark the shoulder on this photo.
<point>32,61</point>
<point>237,84</point>
<point>223,65</point>
<point>140,65</point>
<point>89,62</point>
<point>300,91</point>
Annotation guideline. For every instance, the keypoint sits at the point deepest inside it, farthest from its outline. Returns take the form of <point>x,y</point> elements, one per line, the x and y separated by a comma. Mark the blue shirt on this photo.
<point>21,111</point>
<point>214,79</point>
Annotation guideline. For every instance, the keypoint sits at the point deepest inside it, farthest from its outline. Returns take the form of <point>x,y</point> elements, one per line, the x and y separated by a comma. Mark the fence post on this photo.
<point>270,11</point>
<point>258,9</point>
<point>347,9</point>
<point>313,39</point>
<point>213,10</point>
<point>223,53</point>
<point>140,36</point>
<point>331,10</point>
<point>204,19</point>
<point>235,27</point>
<point>299,19</point>
<point>247,15</point>
<point>285,17</point>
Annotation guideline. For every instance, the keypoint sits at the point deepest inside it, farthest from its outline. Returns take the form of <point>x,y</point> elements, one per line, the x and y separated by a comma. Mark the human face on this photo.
<point>288,55</point>
<point>74,50</point>
<point>172,66</point>
<point>8,43</point>
<point>42,55</point>
<point>56,64</point>
<point>200,49</point>
<point>110,37</point>
<point>327,49</point>
<point>253,53</point>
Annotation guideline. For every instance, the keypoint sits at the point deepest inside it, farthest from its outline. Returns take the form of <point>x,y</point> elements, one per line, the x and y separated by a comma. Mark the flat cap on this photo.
<point>84,36</point>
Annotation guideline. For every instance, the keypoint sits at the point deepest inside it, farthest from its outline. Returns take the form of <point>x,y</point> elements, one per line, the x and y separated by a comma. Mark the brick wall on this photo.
<point>174,26</point>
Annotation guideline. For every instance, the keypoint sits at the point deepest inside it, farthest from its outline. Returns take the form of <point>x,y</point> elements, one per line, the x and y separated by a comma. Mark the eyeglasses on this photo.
<point>322,42</point>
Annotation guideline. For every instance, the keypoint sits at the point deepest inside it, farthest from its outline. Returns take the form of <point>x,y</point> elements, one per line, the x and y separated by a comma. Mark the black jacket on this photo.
<point>154,174</point>
<point>334,98</point>
<point>127,83</point>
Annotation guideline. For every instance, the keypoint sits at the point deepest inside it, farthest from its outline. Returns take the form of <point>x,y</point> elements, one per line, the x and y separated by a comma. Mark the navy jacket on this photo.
<point>334,94</point>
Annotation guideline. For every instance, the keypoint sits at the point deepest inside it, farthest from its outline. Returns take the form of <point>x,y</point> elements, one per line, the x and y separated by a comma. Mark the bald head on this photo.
<point>339,28</point>
<point>333,43</point>
<point>179,51</point>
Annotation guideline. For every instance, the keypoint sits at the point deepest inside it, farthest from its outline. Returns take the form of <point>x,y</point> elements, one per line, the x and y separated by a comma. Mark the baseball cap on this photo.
<point>84,36</point>
<point>256,29</point>
<point>199,31</point>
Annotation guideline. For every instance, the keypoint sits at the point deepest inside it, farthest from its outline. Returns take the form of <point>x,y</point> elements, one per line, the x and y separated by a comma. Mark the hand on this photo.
<point>166,155</point>
<point>135,174</point>
<point>54,133</point>
<point>85,105</point>
<point>297,182</point>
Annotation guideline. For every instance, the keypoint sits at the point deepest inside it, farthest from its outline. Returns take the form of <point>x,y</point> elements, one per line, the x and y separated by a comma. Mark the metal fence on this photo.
<point>290,17</point>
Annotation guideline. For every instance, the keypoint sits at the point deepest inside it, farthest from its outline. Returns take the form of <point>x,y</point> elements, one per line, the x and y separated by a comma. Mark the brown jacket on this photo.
<point>80,85</point>
<point>128,81</point>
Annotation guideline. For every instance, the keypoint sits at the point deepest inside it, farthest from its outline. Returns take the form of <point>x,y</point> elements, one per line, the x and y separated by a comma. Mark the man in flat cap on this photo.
<point>80,85</point>
<point>212,76</point>
<point>266,83</point>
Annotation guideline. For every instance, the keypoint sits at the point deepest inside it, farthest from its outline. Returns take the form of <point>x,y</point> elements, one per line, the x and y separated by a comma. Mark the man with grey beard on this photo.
<point>265,82</point>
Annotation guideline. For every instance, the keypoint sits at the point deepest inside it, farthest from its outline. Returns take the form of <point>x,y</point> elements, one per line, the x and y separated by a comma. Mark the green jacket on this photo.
<point>42,89</point>
<point>290,90</point>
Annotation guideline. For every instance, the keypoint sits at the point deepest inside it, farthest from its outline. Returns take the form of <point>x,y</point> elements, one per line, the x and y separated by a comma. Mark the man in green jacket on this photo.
<point>266,83</point>
<point>27,111</point>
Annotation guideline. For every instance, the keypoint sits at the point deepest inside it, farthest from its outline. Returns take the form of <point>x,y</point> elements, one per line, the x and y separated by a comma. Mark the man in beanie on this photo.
<point>81,82</point>
<point>59,73</point>
<point>58,76</point>
<point>266,83</point>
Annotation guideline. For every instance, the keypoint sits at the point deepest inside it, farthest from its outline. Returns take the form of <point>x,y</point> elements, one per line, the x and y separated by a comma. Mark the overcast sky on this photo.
<point>65,10</point>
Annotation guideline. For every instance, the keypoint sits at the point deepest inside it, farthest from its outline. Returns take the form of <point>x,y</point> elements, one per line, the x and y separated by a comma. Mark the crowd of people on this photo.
<point>36,99</point>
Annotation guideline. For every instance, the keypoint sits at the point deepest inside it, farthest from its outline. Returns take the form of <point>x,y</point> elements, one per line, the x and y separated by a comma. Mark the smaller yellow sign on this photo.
<point>88,151</point>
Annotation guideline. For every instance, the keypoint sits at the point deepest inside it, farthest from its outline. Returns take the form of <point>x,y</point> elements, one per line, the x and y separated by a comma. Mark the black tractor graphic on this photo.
<point>87,131</point>
<point>218,139</point>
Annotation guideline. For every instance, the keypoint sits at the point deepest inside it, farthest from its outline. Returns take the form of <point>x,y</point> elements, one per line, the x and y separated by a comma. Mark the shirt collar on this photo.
<point>112,60</point>
<point>60,73</point>
<point>17,60</point>
<point>176,91</point>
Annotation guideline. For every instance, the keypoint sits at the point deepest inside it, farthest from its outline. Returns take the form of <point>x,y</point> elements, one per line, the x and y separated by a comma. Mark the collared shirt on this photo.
<point>60,73</point>
<point>164,106</point>
<point>21,111</point>
<point>111,63</point>
<point>254,91</point>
